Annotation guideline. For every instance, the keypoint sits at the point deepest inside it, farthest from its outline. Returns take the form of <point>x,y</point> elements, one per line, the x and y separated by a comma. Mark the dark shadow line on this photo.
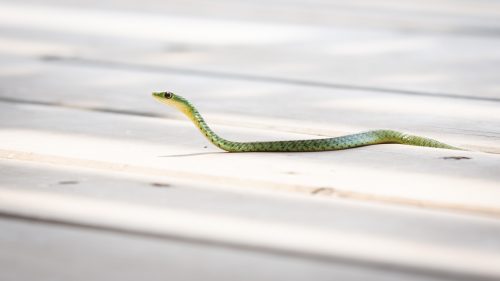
<point>89,108</point>
<point>345,261</point>
<point>250,77</point>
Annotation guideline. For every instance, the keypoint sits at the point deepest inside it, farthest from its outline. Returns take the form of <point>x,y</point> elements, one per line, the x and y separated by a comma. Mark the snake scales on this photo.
<point>337,143</point>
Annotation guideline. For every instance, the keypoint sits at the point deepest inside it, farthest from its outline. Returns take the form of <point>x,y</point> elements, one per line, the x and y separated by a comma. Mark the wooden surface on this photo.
<point>100,182</point>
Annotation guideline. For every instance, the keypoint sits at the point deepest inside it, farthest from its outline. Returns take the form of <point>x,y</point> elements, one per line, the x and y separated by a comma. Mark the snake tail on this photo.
<point>309,145</point>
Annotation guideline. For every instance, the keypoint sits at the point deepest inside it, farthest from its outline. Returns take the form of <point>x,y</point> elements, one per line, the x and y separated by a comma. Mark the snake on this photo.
<point>308,145</point>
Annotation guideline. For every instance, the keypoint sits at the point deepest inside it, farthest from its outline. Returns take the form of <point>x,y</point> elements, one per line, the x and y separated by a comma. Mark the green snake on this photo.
<point>337,143</point>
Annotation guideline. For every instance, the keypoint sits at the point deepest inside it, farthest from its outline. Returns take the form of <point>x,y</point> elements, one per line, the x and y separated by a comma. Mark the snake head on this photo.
<point>168,98</point>
<point>172,99</point>
<point>163,95</point>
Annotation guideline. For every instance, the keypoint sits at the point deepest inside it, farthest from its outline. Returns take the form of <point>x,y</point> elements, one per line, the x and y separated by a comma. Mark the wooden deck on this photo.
<point>100,182</point>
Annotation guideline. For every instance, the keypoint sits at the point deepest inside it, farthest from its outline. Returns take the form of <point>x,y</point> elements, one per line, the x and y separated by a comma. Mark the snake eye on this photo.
<point>167,95</point>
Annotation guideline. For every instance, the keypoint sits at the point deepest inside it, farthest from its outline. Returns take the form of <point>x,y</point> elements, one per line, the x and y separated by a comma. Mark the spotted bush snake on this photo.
<point>309,145</point>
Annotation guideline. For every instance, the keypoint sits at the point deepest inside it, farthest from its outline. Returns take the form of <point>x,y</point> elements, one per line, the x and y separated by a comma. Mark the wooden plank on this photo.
<point>325,57</point>
<point>265,234</point>
<point>99,255</point>
<point>143,145</point>
<point>308,212</point>
<point>125,194</point>
<point>298,109</point>
<point>469,17</point>
<point>244,233</point>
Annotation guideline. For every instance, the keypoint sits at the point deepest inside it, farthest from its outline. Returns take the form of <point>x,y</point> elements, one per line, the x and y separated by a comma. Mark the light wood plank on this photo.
<point>316,212</point>
<point>332,57</point>
<point>464,17</point>
<point>299,109</point>
<point>391,173</point>
<point>276,237</point>
<point>83,254</point>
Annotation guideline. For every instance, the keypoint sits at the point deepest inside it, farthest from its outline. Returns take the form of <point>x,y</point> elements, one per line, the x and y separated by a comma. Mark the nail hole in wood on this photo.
<point>456,158</point>
<point>68,182</point>
<point>323,190</point>
<point>160,184</point>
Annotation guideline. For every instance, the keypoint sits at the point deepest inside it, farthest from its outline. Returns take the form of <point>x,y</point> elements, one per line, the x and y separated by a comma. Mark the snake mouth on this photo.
<point>158,94</point>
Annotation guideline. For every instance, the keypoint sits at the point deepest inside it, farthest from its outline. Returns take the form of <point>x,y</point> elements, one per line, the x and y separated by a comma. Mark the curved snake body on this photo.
<point>336,143</point>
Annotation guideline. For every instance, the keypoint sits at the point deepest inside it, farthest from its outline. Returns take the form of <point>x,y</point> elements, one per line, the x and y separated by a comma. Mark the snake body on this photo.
<point>336,143</point>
